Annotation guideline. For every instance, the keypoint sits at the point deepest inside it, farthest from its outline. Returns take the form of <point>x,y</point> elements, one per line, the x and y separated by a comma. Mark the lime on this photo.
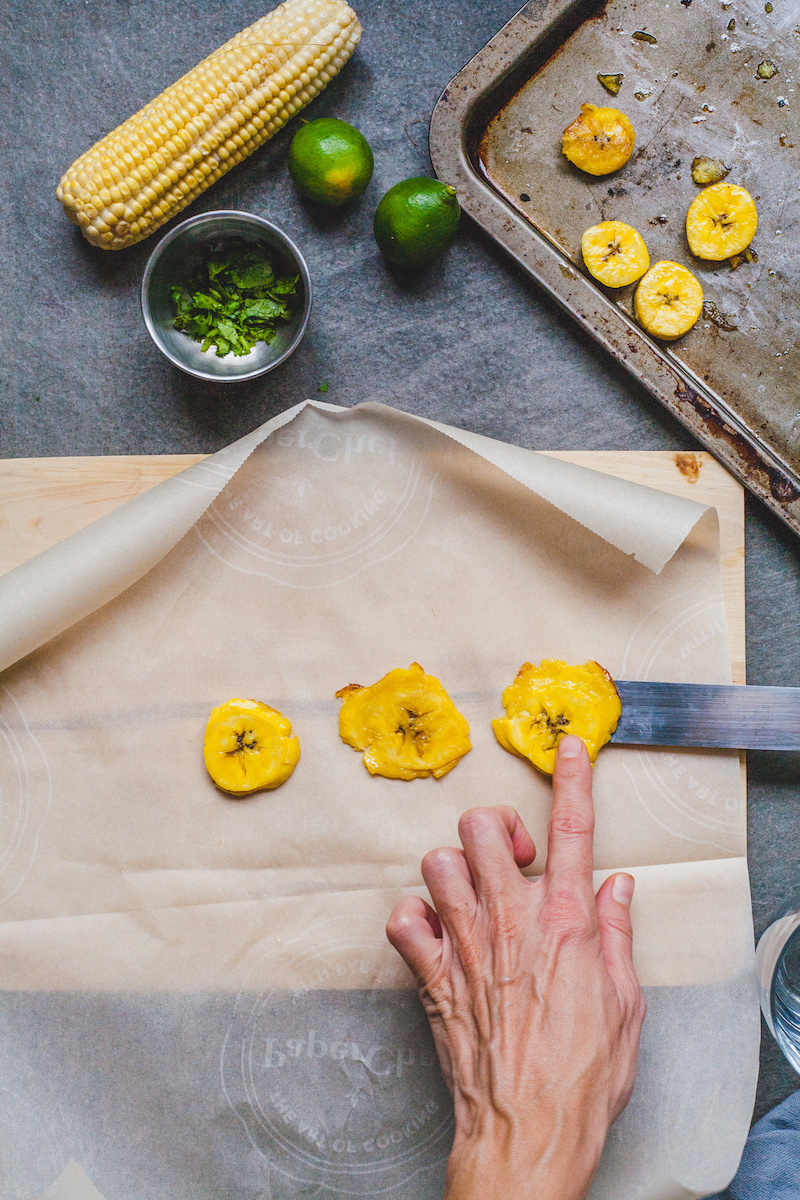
<point>416,221</point>
<point>330,161</point>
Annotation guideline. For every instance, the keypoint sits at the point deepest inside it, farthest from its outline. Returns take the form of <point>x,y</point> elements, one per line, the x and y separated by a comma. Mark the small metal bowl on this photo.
<point>174,260</point>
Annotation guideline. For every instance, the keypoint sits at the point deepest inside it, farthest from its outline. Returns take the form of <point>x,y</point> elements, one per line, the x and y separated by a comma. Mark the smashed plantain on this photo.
<point>545,702</point>
<point>599,141</point>
<point>406,725</point>
<point>248,747</point>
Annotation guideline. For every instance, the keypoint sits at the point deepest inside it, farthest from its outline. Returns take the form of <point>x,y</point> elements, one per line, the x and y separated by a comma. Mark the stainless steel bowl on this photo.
<point>173,261</point>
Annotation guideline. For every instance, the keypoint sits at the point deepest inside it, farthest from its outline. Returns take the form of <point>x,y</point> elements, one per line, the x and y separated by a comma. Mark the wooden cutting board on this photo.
<point>42,500</point>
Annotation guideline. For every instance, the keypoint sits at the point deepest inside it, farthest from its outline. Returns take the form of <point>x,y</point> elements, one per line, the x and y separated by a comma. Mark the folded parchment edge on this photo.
<point>67,582</point>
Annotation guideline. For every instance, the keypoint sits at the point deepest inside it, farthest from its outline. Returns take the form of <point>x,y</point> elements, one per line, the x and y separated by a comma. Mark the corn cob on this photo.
<point>144,172</point>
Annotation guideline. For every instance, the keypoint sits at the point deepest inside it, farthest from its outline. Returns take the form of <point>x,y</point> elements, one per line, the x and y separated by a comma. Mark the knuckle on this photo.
<point>437,860</point>
<point>396,926</point>
<point>621,927</point>
<point>475,820</point>
<point>436,993</point>
<point>569,824</point>
<point>506,812</point>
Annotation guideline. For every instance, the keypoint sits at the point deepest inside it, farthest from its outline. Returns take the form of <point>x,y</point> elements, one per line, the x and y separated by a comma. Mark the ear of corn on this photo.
<point>148,169</point>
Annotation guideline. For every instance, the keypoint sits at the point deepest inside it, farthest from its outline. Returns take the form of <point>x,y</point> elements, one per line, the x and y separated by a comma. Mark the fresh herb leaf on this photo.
<point>323,387</point>
<point>263,310</point>
<point>201,301</point>
<point>256,275</point>
<point>285,287</point>
<point>235,299</point>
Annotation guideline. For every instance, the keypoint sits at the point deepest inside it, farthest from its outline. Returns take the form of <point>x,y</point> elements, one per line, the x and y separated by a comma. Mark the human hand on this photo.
<point>531,994</point>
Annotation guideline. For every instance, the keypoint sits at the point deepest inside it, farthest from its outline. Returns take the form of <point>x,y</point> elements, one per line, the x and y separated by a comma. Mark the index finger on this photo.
<point>570,833</point>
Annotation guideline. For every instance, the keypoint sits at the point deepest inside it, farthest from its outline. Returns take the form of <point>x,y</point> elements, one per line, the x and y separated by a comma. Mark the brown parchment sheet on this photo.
<point>696,91</point>
<point>334,547</point>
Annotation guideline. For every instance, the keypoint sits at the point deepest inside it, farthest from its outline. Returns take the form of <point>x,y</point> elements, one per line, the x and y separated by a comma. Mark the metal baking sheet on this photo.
<point>496,135</point>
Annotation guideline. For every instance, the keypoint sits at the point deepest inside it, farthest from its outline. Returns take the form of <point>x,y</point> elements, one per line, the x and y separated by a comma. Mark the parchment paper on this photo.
<point>199,995</point>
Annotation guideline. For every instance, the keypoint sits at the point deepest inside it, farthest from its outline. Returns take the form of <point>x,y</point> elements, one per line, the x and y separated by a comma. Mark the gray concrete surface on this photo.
<point>473,343</point>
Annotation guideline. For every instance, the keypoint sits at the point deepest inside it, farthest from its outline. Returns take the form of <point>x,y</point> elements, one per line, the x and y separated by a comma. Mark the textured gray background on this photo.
<point>473,343</point>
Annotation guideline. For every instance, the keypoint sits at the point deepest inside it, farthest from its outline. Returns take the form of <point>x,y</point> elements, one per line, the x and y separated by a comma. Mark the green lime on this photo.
<point>416,221</point>
<point>330,161</point>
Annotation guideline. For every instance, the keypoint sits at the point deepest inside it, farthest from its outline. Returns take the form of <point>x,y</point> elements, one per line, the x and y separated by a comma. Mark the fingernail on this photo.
<point>622,889</point>
<point>570,746</point>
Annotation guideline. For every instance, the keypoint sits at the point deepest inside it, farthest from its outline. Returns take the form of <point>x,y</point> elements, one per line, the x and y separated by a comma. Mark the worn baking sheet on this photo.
<point>496,133</point>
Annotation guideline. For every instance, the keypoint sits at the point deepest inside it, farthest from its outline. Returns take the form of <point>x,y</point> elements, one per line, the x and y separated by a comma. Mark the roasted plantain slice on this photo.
<point>668,301</point>
<point>406,725</point>
<point>599,141</point>
<point>721,221</point>
<point>545,702</point>
<point>614,253</point>
<point>248,747</point>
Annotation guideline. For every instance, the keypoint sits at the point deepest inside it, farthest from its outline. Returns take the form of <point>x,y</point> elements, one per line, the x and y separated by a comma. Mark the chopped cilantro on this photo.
<point>323,387</point>
<point>235,299</point>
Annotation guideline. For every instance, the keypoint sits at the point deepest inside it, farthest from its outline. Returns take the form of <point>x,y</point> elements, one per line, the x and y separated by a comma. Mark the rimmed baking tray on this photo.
<point>695,89</point>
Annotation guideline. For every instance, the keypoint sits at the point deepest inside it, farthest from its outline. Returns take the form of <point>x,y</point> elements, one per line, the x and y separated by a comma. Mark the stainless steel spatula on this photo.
<point>711,715</point>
